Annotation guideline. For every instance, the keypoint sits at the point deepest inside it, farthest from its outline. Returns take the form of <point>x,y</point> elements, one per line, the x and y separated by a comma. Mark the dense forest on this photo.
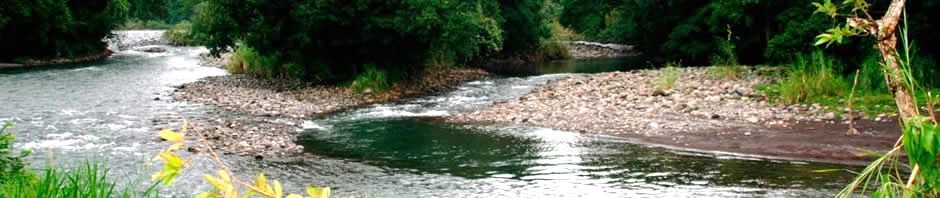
<point>55,28</point>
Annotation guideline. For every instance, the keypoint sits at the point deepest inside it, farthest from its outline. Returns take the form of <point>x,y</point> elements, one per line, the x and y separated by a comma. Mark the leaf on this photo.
<point>171,167</point>
<point>278,192</point>
<point>171,159</point>
<point>928,139</point>
<point>318,192</point>
<point>171,135</point>
<point>824,38</point>
<point>294,196</point>
<point>205,195</point>
<point>176,146</point>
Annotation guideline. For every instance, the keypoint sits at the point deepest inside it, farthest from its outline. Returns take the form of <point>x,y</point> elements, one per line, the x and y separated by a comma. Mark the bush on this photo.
<point>11,164</point>
<point>181,34</point>
<point>372,80</point>
<point>247,60</point>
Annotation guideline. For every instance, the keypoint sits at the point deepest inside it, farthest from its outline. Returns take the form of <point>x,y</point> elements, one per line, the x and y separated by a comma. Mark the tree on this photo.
<point>921,135</point>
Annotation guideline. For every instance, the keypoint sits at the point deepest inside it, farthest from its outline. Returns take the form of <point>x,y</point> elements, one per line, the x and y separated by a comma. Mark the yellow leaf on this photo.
<point>171,136</point>
<point>294,196</point>
<point>176,146</point>
<point>171,160</point>
<point>225,176</point>
<point>185,125</point>
<point>318,192</point>
<point>261,183</point>
<point>215,182</point>
<point>205,195</point>
<point>278,192</point>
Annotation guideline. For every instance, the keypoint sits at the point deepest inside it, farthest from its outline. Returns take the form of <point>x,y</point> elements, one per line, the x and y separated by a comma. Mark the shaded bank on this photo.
<point>289,103</point>
<point>58,61</point>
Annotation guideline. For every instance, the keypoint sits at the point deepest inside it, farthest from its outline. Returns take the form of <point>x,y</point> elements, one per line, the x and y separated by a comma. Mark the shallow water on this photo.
<point>106,110</point>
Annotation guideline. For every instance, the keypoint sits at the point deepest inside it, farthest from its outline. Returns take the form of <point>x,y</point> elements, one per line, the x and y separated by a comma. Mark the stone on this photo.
<point>753,119</point>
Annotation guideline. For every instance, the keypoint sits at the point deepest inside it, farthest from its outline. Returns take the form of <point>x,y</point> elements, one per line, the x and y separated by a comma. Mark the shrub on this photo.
<point>181,34</point>
<point>11,164</point>
<point>553,51</point>
<point>137,24</point>
<point>249,61</point>
<point>726,72</point>
<point>372,80</point>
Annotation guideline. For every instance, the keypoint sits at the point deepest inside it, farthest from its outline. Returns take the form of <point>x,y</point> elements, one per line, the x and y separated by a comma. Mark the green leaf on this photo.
<point>928,138</point>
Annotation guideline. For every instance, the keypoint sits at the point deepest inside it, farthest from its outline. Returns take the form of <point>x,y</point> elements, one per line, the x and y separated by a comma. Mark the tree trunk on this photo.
<point>885,30</point>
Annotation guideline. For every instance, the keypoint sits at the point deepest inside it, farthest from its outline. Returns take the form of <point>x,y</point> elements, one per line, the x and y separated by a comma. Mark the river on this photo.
<point>107,111</point>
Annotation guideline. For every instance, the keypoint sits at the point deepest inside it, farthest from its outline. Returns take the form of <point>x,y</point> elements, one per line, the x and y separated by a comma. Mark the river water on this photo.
<point>106,110</point>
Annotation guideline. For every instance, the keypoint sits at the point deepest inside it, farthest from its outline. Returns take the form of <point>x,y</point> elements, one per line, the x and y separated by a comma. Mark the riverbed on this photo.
<point>110,110</point>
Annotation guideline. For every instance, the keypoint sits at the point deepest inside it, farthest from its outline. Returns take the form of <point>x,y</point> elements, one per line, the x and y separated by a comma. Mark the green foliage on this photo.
<point>45,29</point>
<point>181,34</point>
<point>811,79</point>
<point>765,31</point>
<point>332,40</point>
<point>372,80</point>
<point>137,24</point>
<point>921,142</point>
<point>247,60</point>
<point>90,179</point>
<point>11,164</point>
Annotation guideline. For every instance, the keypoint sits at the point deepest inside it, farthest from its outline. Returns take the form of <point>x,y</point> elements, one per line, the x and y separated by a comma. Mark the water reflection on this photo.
<point>426,147</point>
<point>538,157</point>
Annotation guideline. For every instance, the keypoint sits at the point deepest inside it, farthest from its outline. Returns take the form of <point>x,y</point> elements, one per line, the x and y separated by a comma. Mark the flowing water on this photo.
<point>106,111</point>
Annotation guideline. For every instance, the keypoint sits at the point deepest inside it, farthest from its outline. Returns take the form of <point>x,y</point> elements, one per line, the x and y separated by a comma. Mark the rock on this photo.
<point>155,49</point>
<point>713,98</point>
<point>753,119</point>
<point>156,98</point>
<point>829,116</point>
<point>714,116</point>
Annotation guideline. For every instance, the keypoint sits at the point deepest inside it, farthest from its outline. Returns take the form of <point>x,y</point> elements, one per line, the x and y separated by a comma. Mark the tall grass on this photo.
<point>89,180</point>
<point>811,78</point>
<point>667,78</point>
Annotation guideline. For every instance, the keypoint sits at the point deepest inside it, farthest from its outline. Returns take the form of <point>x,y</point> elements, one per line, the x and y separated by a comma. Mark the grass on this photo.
<point>811,79</point>
<point>89,180</point>
<point>667,78</point>
<point>725,72</point>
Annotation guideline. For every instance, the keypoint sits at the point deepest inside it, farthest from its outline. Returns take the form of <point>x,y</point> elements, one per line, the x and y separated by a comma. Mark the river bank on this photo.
<point>700,112</point>
<point>285,104</point>
<point>59,61</point>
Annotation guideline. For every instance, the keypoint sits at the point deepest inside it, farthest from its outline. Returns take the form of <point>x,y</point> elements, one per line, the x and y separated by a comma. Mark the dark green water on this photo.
<point>106,111</point>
